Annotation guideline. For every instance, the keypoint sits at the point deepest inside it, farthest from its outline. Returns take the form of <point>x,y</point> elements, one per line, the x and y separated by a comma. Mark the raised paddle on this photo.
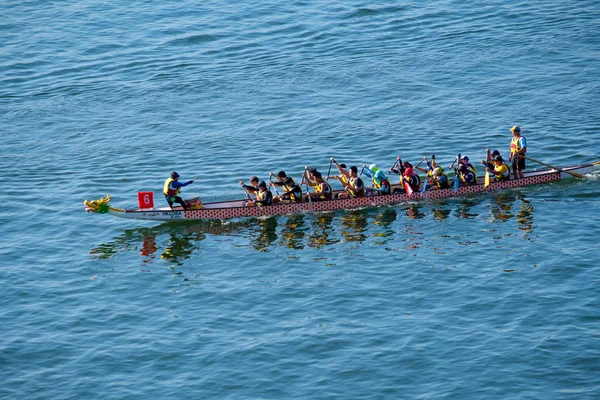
<point>395,163</point>
<point>271,181</point>
<point>576,175</point>
<point>193,180</point>
<point>420,162</point>
<point>456,183</point>
<point>305,178</point>
<point>329,170</point>
<point>429,168</point>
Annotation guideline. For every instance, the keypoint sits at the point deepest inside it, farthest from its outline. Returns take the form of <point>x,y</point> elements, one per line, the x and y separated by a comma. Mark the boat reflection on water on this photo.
<point>176,242</point>
<point>510,205</point>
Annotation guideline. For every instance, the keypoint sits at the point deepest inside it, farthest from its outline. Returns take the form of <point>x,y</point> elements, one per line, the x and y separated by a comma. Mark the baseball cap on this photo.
<point>515,128</point>
<point>174,175</point>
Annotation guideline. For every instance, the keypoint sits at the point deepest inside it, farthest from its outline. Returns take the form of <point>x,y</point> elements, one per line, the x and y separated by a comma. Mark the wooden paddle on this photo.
<point>486,180</point>
<point>576,175</point>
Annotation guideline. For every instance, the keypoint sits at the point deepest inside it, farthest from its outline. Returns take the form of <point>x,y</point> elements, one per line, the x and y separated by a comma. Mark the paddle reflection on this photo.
<point>177,242</point>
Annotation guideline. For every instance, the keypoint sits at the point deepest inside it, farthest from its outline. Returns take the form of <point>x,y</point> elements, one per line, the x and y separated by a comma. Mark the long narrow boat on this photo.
<point>237,208</point>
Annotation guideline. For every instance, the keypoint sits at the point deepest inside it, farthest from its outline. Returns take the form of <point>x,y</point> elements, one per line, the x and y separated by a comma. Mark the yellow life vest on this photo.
<point>351,190</point>
<point>289,190</point>
<point>501,172</point>
<point>436,181</point>
<point>168,191</point>
<point>514,145</point>
<point>325,194</point>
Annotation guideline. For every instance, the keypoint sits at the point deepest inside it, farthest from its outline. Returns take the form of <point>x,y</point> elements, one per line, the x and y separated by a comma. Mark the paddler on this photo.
<point>435,174</point>
<point>407,173</point>
<point>466,172</point>
<point>291,191</point>
<point>355,186</point>
<point>264,197</point>
<point>343,177</point>
<point>501,171</point>
<point>518,148</point>
<point>381,185</point>
<point>322,188</point>
<point>489,159</point>
<point>172,188</point>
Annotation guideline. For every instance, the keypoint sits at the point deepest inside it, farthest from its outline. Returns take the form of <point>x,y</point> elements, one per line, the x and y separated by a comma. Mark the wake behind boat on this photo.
<point>238,209</point>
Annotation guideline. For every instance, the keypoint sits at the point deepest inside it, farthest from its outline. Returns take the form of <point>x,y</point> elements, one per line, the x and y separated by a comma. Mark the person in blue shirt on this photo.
<point>518,148</point>
<point>172,188</point>
<point>381,185</point>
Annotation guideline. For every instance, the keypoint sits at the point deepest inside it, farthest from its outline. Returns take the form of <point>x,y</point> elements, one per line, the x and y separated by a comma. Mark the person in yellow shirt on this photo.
<point>501,171</point>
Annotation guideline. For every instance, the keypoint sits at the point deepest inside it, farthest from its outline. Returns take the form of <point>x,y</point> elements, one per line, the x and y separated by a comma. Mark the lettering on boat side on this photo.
<point>170,214</point>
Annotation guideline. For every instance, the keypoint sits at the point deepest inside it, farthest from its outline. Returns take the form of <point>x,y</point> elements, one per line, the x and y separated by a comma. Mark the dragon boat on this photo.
<point>238,209</point>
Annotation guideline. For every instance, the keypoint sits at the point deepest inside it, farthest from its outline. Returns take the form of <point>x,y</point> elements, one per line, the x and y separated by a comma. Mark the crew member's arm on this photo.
<point>249,188</point>
<point>177,184</point>
<point>343,171</point>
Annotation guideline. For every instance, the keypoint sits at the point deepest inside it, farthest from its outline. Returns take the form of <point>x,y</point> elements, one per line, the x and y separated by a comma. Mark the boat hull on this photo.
<point>236,208</point>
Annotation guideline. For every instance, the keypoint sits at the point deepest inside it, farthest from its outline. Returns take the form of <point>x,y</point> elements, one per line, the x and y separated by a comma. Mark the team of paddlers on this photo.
<point>259,193</point>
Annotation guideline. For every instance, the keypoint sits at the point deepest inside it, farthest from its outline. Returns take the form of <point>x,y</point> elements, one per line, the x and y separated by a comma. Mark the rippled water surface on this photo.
<point>493,296</point>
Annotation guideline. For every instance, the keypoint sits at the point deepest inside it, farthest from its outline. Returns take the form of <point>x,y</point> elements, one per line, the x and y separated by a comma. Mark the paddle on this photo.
<point>407,187</point>
<point>456,183</point>
<point>395,163</point>
<point>273,186</point>
<point>305,178</point>
<point>245,191</point>
<point>193,180</point>
<point>486,180</point>
<point>329,170</point>
<point>576,175</point>
<point>424,183</point>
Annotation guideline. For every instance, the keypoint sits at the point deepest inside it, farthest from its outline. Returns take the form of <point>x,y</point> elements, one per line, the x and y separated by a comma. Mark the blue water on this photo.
<point>487,297</point>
